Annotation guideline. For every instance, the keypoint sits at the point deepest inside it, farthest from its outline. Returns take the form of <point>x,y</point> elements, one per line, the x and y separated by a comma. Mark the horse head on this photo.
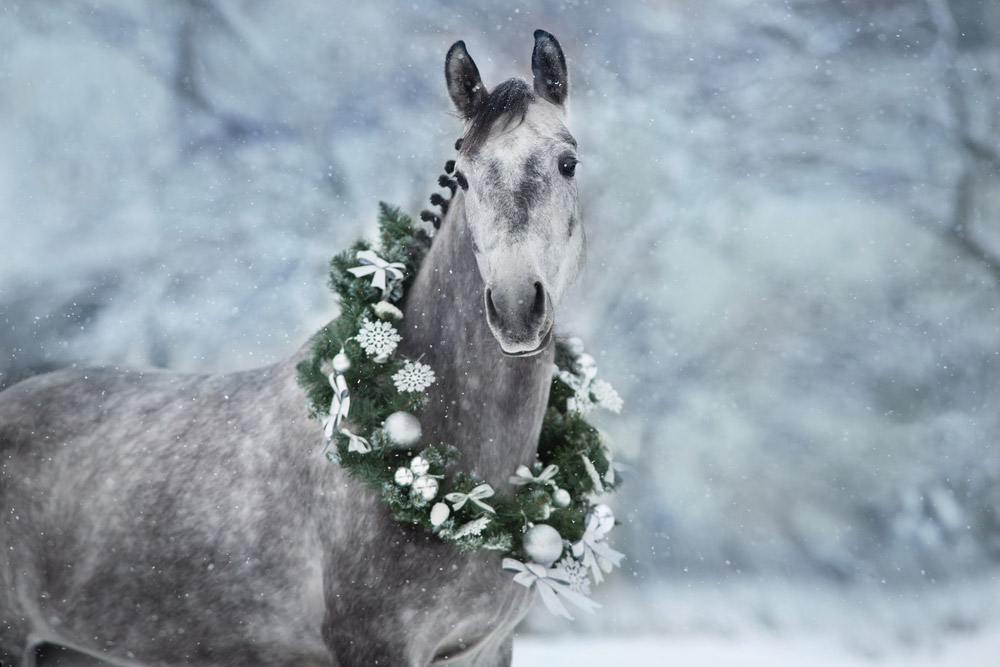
<point>516,165</point>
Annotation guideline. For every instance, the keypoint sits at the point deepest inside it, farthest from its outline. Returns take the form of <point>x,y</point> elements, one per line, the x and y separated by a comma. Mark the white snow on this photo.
<point>978,650</point>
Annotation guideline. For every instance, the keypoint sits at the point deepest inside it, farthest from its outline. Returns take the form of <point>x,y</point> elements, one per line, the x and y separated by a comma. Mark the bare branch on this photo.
<point>959,231</point>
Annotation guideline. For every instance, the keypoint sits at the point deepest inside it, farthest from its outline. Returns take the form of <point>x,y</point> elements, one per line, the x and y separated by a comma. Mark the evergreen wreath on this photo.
<point>550,532</point>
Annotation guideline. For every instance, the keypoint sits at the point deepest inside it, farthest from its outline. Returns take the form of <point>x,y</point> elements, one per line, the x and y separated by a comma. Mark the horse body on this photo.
<point>209,528</point>
<point>153,518</point>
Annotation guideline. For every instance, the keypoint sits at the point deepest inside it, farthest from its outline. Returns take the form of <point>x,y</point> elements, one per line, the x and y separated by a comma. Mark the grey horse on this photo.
<point>156,518</point>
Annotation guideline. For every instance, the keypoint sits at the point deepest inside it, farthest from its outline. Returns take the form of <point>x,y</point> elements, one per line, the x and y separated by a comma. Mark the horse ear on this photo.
<point>465,88</point>
<point>548,65</point>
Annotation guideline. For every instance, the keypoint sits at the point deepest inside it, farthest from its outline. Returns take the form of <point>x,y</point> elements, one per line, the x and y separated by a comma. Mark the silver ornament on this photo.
<point>575,346</point>
<point>419,465</point>
<point>403,476</point>
<point>561,498</point>
<point>545,512</point>
<point>425,487</point>
<point>402,429</point>
<point>439,514</point>
<point>341,363</point>
<point>543,544</point>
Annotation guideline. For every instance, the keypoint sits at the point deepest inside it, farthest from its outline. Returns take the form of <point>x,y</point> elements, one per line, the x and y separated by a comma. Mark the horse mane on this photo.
<point>506,104</point>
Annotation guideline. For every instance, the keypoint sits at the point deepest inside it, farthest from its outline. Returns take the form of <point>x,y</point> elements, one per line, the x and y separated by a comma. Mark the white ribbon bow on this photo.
<point>577,383</point>
<point>552,585</point>
<point>378,269</point>
<point>580,401</point>
<point>523,476</point>
<point>356,442</point>
<point>596,555</point>
<point>588,465</point>
<point>475,496</point>
<point>339,406</point>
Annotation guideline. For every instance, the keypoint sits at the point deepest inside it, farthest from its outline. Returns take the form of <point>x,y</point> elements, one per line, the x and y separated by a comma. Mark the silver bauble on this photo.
<point>403,476</point>
<point>561,498</point>
<point>419,465</point>
<point>575,346</point>
<point>402,429</point>
<point>543,544</point>
<point>341,363</point>
<point>439,514</point>
<point>544,512</point>
<point>425,487</point>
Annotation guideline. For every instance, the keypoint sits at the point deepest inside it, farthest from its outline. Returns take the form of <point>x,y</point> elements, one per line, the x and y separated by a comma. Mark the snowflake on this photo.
<point>414,376</point>
<point>606,396</point>
<point>379,339</point>
<point>576,575</point>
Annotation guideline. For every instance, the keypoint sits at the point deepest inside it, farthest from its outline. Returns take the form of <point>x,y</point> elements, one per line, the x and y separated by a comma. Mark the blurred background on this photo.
<point>793,212</point>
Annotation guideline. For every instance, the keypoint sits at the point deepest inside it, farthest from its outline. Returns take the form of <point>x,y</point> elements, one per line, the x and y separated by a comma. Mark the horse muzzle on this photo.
<point>520,316</point>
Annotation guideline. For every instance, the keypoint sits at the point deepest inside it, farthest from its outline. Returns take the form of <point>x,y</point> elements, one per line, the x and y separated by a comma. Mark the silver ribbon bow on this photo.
<point>356,442</point>
<point>378,269</point>
<point>475,496</point>
<point>339,406</point>
<point>552,585</point>
<point>596,555</point>
<point>523,476</point>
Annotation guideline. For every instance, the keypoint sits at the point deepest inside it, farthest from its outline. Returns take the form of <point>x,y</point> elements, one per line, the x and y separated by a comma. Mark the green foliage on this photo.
<point>566,439</point>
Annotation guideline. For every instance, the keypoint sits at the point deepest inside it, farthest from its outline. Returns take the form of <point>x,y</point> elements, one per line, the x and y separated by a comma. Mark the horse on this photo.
<point>154,518</point>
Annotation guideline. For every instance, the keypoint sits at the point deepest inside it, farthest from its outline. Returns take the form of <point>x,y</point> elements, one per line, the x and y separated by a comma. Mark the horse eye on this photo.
<point>567,165</point>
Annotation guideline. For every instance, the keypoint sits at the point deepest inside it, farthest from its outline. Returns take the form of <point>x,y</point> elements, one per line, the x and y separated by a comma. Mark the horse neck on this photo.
<point>488,405</point>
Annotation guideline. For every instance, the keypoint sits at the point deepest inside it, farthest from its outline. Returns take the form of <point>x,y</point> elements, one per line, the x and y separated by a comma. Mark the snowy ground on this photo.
<point>744,651</point>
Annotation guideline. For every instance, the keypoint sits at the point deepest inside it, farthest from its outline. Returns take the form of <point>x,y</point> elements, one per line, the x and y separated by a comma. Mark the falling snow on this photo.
<point>793,273</point>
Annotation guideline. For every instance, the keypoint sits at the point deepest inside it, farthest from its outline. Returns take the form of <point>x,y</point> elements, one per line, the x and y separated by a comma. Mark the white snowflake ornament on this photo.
<point>414,376</point>
<point>576,575</point>
<point>378,339</point>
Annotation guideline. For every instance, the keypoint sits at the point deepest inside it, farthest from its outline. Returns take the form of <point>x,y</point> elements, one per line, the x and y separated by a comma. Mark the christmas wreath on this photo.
<point>550,532</point>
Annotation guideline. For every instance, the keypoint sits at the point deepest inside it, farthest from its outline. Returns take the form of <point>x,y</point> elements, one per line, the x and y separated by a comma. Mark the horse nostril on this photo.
<point>538,307</point>
<point>491,310</point>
